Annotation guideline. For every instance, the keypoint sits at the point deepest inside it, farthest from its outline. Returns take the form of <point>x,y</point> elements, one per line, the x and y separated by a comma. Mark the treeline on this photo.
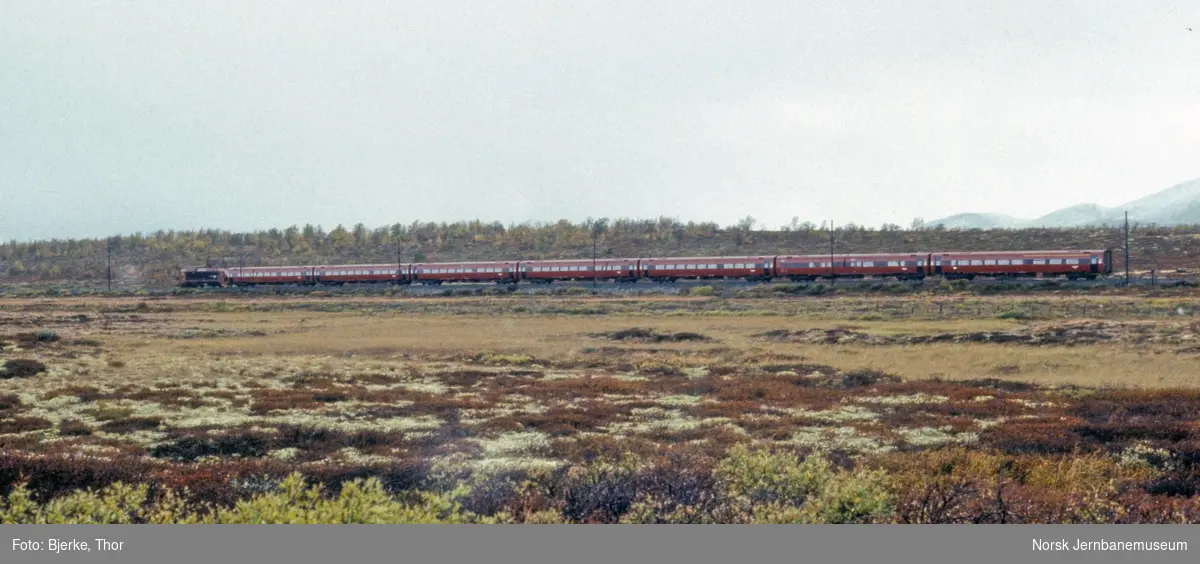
<point>156,258</point>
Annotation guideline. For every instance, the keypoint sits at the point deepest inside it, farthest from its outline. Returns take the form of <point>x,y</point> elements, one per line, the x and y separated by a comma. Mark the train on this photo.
<point>1070,264</point>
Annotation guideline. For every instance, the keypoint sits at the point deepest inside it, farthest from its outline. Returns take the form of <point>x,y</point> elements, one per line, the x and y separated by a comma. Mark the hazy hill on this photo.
<point>978,221</point>
<point>1177,205</point>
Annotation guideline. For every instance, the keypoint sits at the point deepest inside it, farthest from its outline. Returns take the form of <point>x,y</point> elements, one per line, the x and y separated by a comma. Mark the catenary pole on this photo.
<point>1126,248</point>
<point>832,272</point>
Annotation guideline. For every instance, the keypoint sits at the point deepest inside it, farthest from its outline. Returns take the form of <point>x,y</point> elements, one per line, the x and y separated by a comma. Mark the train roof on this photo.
<point>581,261</point>
<point>469,263</point>
<point>1036,252</point>
<point>684,259</point>
<point>376,265</point>
<point>843,255</point>
<point>257,268</point>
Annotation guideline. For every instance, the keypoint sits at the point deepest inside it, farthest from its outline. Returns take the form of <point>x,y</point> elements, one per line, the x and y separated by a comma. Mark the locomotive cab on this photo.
<point>204,277</point>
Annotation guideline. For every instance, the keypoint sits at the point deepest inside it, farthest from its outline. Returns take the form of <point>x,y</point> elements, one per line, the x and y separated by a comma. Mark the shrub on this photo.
<point>600,492</point>
<point>131,424</point>
<point>73,428</point>
<point>189,449</point>
<point>819,290</point>
<point>1018,315</point>
<point>858,497</point>
<point>9,401</point>
<point>46,336</point>
<point>293,502</point>
<point>779,488</point>
<point>702,291</point>
<point>761,476</point>
<point>21,368</point>
<point>23,425</point>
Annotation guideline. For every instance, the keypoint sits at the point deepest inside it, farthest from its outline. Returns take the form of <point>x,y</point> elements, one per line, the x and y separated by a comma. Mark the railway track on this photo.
<point>677,287</point>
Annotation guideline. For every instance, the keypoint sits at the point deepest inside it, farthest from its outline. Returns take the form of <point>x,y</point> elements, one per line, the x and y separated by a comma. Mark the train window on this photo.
<point>976,262</point>
<point>989,262</point>
<point>1056,261</point>
<point>1039,261</point>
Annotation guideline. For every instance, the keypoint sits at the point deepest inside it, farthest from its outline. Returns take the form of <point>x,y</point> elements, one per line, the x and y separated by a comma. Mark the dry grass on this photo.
<point>212,394</point>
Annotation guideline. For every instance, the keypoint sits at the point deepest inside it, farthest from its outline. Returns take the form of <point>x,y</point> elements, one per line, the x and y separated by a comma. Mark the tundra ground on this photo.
<point>641,409</point>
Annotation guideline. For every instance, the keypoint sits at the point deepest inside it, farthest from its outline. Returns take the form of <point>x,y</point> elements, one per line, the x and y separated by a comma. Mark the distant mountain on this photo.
<point>978,221</point>
<point>1177,205</point>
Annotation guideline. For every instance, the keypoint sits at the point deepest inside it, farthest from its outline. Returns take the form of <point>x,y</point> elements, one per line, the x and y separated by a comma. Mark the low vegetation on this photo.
<point>654,410</point>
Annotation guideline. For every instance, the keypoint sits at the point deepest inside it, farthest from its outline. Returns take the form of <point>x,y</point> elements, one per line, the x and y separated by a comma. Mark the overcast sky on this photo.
<point>124,116</point>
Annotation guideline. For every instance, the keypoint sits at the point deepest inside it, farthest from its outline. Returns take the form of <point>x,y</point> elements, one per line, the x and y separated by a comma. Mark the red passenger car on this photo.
<point>672,269</point>
<point>904,266</point>
<point>547,271</point>
<point>440,272</point>
<point>362,274</point>
<point>255,275</point>
<point>1072,264</point>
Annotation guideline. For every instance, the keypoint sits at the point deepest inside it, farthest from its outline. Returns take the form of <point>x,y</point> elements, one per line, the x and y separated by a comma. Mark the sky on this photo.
<point>117,117</point>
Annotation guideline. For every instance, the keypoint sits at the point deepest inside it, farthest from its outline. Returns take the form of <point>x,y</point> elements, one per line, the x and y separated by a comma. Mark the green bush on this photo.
<point>292,503</point>
<point>819,290</point>
<point>761,476</point>
<point>1018,315</point>
<point>702,291</point>
<point>778,488</point>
